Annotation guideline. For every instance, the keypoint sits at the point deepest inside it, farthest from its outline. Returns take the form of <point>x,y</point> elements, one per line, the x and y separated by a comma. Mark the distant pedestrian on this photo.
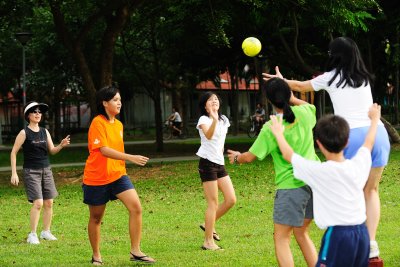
<point>213,128</point>
<point>39,183</point>
<point>105,176</point>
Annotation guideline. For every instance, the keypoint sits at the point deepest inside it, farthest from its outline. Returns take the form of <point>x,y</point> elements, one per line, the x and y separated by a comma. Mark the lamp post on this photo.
<point>23,38</point>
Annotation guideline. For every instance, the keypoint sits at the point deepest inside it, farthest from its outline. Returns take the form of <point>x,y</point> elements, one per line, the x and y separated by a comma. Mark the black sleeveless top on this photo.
<point>35,149</point>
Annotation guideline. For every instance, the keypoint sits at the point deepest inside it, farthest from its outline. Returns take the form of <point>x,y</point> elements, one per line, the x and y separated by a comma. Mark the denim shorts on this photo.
<point>380,151</point>
<point>210,171</point>
<point>39,184</point>
<point>96,195</point>
<point>292,206</point>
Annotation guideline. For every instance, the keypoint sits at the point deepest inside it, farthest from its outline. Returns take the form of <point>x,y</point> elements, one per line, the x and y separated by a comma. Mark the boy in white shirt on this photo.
<point>337,185</point>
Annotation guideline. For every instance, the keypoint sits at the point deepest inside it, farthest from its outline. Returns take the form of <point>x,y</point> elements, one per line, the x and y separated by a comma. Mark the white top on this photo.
<point>337,188</point>
<point>177,117</point>
<point>213,149</point>
<point>350,103</point>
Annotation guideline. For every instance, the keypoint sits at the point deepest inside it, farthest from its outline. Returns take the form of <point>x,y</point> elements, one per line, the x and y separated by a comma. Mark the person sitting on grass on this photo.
<point>337,185</point>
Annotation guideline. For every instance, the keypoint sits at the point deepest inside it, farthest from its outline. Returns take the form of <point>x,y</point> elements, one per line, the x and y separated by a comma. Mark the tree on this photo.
<point>81,26</point>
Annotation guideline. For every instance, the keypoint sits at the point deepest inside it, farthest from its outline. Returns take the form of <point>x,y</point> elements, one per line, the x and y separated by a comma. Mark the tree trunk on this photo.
<point>392,132</point>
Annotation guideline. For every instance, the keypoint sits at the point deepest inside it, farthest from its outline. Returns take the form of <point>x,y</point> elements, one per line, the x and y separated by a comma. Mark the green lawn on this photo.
<point>173,207</point>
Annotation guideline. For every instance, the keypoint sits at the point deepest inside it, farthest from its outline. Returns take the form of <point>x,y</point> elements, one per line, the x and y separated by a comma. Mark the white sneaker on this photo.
<point>33,239</point>
<point>47,235</point>
<point>374,249</point>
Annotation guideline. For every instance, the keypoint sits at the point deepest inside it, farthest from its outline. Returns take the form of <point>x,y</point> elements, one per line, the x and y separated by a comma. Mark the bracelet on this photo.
<point>235,159</point>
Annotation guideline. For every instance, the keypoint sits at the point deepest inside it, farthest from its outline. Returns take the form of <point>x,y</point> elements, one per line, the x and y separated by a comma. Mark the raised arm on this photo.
<point>297,86</point>
<point>277,129</point>
<point>374,114</point>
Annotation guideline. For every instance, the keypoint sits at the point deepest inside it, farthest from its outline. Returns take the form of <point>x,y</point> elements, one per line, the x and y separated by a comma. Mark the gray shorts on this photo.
<point>292,206</point>
<point>39,184</point>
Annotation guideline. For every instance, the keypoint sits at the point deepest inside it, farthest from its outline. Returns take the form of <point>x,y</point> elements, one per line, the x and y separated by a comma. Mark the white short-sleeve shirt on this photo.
<point>213,149</point>
<point>337,187</point>
<point>348,102</point>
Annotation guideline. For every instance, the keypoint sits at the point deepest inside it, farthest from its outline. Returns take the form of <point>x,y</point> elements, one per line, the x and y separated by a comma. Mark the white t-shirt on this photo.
<point>337,188</point>
<point>350,103</point>
<point>213,149</point>
<point>177,117</point>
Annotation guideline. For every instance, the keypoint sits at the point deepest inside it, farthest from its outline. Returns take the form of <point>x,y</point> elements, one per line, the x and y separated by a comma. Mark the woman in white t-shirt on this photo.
<point>347,82</point>
<point>213,128</point>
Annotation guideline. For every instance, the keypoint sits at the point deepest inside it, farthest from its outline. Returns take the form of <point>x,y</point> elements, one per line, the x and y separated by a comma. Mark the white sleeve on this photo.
<point>202,120</point>
<point>321,81</point>
<point>226,121</point>
<point>304,169</point>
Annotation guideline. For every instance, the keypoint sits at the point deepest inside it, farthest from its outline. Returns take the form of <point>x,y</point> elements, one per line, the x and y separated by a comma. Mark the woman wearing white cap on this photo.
<point>39,184</point>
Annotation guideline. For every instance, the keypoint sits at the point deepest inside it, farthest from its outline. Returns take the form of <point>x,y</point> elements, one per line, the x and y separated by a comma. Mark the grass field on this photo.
<point>173,208</point>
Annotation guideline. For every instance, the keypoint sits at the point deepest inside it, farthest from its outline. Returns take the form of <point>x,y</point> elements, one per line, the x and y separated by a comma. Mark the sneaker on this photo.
<point>33,239</point>
<point>47,235</point>
<point>373,250</point>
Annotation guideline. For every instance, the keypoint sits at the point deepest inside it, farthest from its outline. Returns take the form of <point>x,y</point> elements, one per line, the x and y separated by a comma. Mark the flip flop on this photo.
<point>215,235</point>
<point>141,259</point>
<point>212,249</point>
<point>96,262</point>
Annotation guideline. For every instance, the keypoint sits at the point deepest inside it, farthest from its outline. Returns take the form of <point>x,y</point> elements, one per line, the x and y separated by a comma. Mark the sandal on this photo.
<point>141,259</point>
<point>96,262</point>
<point>212,249</point>
<point>215,235</point>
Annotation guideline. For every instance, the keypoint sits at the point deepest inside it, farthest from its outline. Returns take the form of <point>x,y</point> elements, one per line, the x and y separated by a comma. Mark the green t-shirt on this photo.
<point>300,137</point>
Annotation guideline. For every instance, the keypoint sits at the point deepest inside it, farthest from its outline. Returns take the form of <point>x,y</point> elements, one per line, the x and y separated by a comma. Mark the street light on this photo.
<point>23,38</point>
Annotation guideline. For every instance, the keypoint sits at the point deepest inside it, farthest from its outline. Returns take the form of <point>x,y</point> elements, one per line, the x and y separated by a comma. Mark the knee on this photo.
<point>231,201</point>
<point>213,204</point>
<point>48,204</point>
<point>37,204</point>
<point>136,210</point>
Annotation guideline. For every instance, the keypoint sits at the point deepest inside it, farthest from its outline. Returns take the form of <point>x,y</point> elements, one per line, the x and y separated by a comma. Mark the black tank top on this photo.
<point>35,149</point>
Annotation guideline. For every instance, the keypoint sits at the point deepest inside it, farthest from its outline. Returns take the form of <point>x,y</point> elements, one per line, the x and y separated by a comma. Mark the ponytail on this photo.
<point>288,114</point>
<point>279,93</point>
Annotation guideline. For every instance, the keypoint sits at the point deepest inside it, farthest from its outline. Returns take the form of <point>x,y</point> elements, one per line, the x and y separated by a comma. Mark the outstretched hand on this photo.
<point>66,141</point>
<point>138,160</point>
<point>231,155</point>
<point>267,76</point>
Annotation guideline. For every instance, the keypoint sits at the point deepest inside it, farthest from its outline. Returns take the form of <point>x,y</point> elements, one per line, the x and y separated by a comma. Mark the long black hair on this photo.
<point>279,93</point>
<point>202,104</point>
<point>105,94</point>
<point>345,58</point>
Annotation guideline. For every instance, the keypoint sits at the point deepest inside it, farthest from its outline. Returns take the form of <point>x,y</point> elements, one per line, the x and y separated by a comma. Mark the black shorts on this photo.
<point>210,171</point>
<point>96,195</point>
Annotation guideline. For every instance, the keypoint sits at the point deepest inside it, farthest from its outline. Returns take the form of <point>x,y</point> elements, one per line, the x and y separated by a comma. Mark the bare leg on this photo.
<point>96,214</point>
<point>131,201</point>
<point>305,243</point>
<point>35,214</point>
<point>47,213</point>
<point>211,195</point>
<point>226,187</point>
<point>283,253</point>
<point>371,194</point>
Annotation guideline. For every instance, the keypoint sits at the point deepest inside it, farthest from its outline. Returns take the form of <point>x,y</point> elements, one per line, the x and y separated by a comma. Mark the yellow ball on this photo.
<point>251,46</point>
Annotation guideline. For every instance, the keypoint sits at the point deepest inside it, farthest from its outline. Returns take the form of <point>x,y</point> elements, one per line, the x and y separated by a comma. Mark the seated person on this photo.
<point>259,114</point>
<point>176,120</point>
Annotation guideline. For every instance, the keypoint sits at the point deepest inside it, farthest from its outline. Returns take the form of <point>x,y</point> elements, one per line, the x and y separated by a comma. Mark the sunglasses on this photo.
<point>36,112</point>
